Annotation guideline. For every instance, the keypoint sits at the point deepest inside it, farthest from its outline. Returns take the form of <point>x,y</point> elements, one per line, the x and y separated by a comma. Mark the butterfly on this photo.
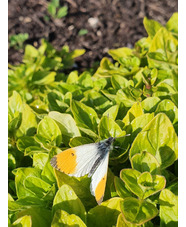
<point>91,159</point>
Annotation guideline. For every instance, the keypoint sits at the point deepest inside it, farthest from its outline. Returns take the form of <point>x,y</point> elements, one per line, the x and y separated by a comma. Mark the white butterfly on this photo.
<point>91,159</point>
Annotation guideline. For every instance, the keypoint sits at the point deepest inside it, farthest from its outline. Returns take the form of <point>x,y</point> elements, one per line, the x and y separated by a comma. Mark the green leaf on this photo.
<point>39,216</point>
<point>131,63</point>
<point>138,79</point>
<point>55,3</point>
<point>74,89</point>
<point>151,26</point>
<point>57,102</point>
<point>84,116</point>
<point>76,53</point>
<point>34,149</point>
<point>18,40</point>
<point>39,107</point>
<point>14,122</point>
<point>66,124</point>
<point>140,122</point>
<point>169,108</point>
<point>25,221</point>
<point>62,218</point>
<point>11,162</point>
<point>80,140</point>
<point>49,131</point>
<point>142,47</point>
<point>89,133</point>
<point>72,77</point>
<point>168,209</point>
<point>142,184</point>
<point>122,223</point>
<point>120,52</point>
<point>120,150</point>
<point>26,141</point>
<point>145,162</point>
<point>111,96</point>
<point>160,52</point>
<point>135,111</point>
<point>62,12</point>
<point>43,77</point>
<point>160,41</point>
<point>142,211</point>
<point>105,214</point>
<point>47,173</point>
<point>119,82</point>
<point>159,139</point>
<point>67,200</point>
<point>36,186</point>
<point>30,52</point>
<point>107,69</point>
<point>151,184</point>
<point>130,177</point>
<point>108,128</point>
<point>85,80</point>
<point>174,188</point>
<point>121,188</point>
<point>149,104</point>
<point>20,175</point>
<point>164,91</point>
<point>175,80</point>
<point>24,203</point>
<point>29,123</point>
<point>172,24</point>
<point>82,32</point>
<point>97,101</point>
<point>15,107</point>
<point>99,84</point>
<point>28,182</point>
<point>39,160</point>
<point>111,112</point>
<point>52,9</point>
<point>153,75</point>
<point>80,185</point>
<point>174,98</point>
<point>127,97</point>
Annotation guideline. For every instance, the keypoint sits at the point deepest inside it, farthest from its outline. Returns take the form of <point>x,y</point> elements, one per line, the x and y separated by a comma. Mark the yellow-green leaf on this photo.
<point>105,214</point>
<point>67,200</point>
<point>158,138</point>
<point>135,111</point>
<point>62,218</point>
<point>24,221</point>
<point>168,209</point>
<point>137,211</point>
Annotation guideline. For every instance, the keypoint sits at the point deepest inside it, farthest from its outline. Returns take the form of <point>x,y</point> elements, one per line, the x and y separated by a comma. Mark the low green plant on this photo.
<point>18,40</point>
<point>55,10</point>
<point>51,110</point>
<point>82,32</point>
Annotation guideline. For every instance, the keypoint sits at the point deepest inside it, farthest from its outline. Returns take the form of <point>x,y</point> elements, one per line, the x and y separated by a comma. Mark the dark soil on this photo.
<point>119,23</point>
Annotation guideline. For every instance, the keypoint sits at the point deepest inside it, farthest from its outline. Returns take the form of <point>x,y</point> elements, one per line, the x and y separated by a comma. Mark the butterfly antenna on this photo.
<point>118,147</point>
<point>122,136</point>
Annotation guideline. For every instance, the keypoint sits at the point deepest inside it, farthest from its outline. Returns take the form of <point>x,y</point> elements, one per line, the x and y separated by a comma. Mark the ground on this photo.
<point>110,24</point>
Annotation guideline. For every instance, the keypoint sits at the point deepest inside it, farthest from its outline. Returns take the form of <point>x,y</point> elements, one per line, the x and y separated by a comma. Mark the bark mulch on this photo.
<point>110,24</point>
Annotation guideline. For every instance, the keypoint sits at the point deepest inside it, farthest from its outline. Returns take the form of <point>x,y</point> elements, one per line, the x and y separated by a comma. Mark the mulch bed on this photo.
<point>118,23</point>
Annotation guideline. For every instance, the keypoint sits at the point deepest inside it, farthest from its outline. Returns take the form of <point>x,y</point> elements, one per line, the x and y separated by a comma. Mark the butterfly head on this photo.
<point>110,140</point>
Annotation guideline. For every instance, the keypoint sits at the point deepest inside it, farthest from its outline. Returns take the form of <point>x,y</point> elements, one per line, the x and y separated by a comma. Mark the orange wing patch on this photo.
<point>65,161</point>
<point>100,189</point>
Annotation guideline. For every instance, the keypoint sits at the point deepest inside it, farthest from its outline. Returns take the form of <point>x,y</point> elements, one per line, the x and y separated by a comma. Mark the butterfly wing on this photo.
<point>77,161</point>
<point>99,178</point>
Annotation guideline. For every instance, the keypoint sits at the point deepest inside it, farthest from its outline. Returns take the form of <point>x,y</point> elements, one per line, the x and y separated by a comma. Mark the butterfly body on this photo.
<point>91,159</point>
